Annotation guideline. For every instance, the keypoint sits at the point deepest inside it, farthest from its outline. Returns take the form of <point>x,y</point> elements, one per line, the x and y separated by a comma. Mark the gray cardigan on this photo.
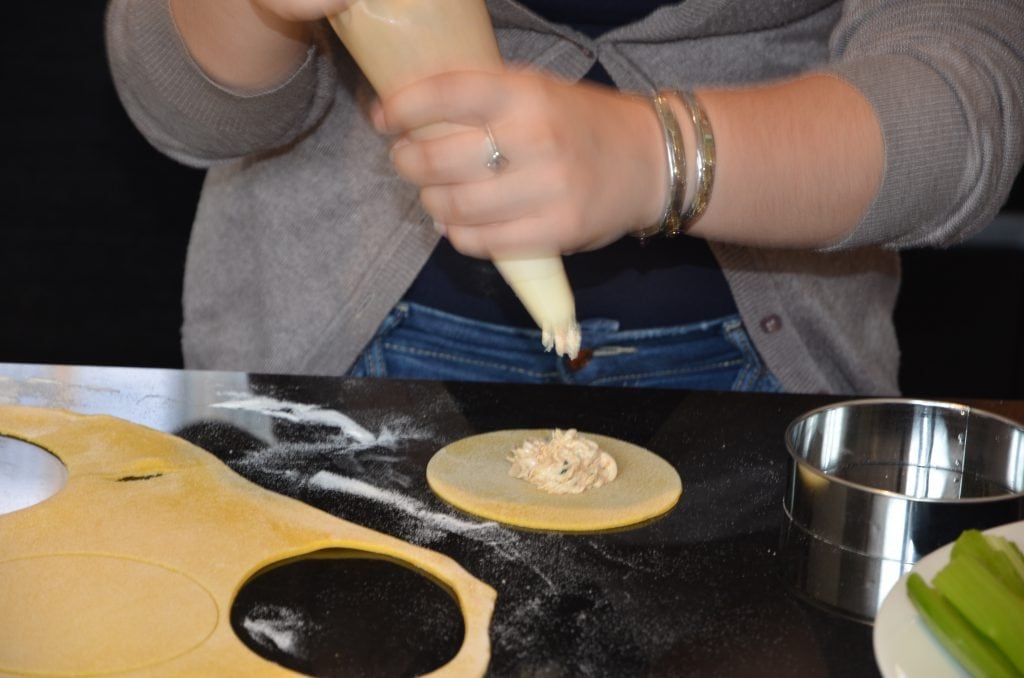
<point>305,238</point>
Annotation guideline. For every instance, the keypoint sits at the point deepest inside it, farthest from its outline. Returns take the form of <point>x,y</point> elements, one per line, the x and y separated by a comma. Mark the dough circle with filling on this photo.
<point>472,474</point>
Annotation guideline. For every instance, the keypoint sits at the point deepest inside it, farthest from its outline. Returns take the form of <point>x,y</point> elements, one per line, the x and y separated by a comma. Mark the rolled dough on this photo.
<point>132,567</point>
<point>472,474</point>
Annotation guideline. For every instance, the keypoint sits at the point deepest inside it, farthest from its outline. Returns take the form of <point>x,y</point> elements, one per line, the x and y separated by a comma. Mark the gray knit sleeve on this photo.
<point>188,116</point>
<point>946,80</point>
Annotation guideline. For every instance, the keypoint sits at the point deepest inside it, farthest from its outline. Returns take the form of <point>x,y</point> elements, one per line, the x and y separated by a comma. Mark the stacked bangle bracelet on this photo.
<point>671,222</point>
<point>705,157</point>
<point>677,217</point>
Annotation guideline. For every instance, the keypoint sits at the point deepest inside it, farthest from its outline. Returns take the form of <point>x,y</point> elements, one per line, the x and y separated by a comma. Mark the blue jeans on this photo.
<point>416,342</point>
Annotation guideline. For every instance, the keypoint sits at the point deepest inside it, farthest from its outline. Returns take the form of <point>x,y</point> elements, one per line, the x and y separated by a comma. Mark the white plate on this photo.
<point>904,647</point>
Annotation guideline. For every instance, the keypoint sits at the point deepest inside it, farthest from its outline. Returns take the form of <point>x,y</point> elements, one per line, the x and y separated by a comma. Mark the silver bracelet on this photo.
<point>672,221</point>
<point>705,160</point>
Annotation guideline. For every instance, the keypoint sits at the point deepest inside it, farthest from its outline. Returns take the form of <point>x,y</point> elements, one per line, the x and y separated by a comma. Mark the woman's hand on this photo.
<point>585,166</point>
<point>798,162</point>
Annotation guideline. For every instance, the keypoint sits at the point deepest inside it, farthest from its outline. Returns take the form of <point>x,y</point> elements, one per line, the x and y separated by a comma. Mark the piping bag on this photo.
<point>396,42</point>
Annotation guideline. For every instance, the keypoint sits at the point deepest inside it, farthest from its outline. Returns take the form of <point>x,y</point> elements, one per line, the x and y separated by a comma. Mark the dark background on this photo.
<point>94,225</point>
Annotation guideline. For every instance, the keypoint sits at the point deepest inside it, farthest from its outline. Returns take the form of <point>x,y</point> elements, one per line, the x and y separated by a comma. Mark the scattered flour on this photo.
<point>301,413</point>
<point>277,627</point>
<point>338,483</point>
<point>353,463</point>
<point>504,543</point>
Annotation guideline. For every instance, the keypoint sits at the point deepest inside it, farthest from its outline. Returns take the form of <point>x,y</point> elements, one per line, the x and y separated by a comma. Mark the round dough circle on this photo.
<point>136,614</point>
<point>472,474</point>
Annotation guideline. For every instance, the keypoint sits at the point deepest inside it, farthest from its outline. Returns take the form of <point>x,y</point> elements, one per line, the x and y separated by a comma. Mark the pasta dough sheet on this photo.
<point>132,568</point>
<point>472,474</point>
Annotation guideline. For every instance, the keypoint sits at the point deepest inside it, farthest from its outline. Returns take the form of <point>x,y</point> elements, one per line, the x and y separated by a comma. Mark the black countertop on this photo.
<point>696,592</point>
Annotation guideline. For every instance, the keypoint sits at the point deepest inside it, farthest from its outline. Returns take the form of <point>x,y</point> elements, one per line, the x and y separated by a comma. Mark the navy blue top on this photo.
<point>594,17</point>
<point>660,283</point>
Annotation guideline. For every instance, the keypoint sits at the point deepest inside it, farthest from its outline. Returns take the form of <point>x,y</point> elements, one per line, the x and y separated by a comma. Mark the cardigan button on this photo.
<point>770,324</point>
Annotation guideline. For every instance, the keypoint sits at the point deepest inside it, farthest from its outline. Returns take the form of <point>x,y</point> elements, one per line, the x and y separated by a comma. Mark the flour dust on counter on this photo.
<point>279,628</point>
<point>321,454</point>
<point>306,440</point>
<point>304,413</point>
<point>571,597</point>
<point>329,459</point>
<point>404,503</point>
<point>365,469</point>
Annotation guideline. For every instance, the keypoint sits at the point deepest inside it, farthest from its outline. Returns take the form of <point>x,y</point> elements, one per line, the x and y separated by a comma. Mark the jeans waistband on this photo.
<point>593,329</point>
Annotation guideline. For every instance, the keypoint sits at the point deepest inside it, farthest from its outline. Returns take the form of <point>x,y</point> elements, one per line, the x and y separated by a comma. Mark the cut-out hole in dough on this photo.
<point>344,612</point>
<point>28,475</point>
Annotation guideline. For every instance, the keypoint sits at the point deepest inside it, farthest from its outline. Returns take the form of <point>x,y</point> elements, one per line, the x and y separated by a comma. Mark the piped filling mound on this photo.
<point>564,463</point>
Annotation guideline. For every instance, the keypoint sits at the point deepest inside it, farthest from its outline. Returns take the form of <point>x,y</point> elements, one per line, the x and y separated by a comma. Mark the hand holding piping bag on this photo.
<point>399,42</point>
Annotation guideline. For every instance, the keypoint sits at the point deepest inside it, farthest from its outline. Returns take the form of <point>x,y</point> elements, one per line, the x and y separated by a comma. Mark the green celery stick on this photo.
<point>988,551</point>
<point>973,651</point>
<point>1012,553</point>
<point>982,598</point>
